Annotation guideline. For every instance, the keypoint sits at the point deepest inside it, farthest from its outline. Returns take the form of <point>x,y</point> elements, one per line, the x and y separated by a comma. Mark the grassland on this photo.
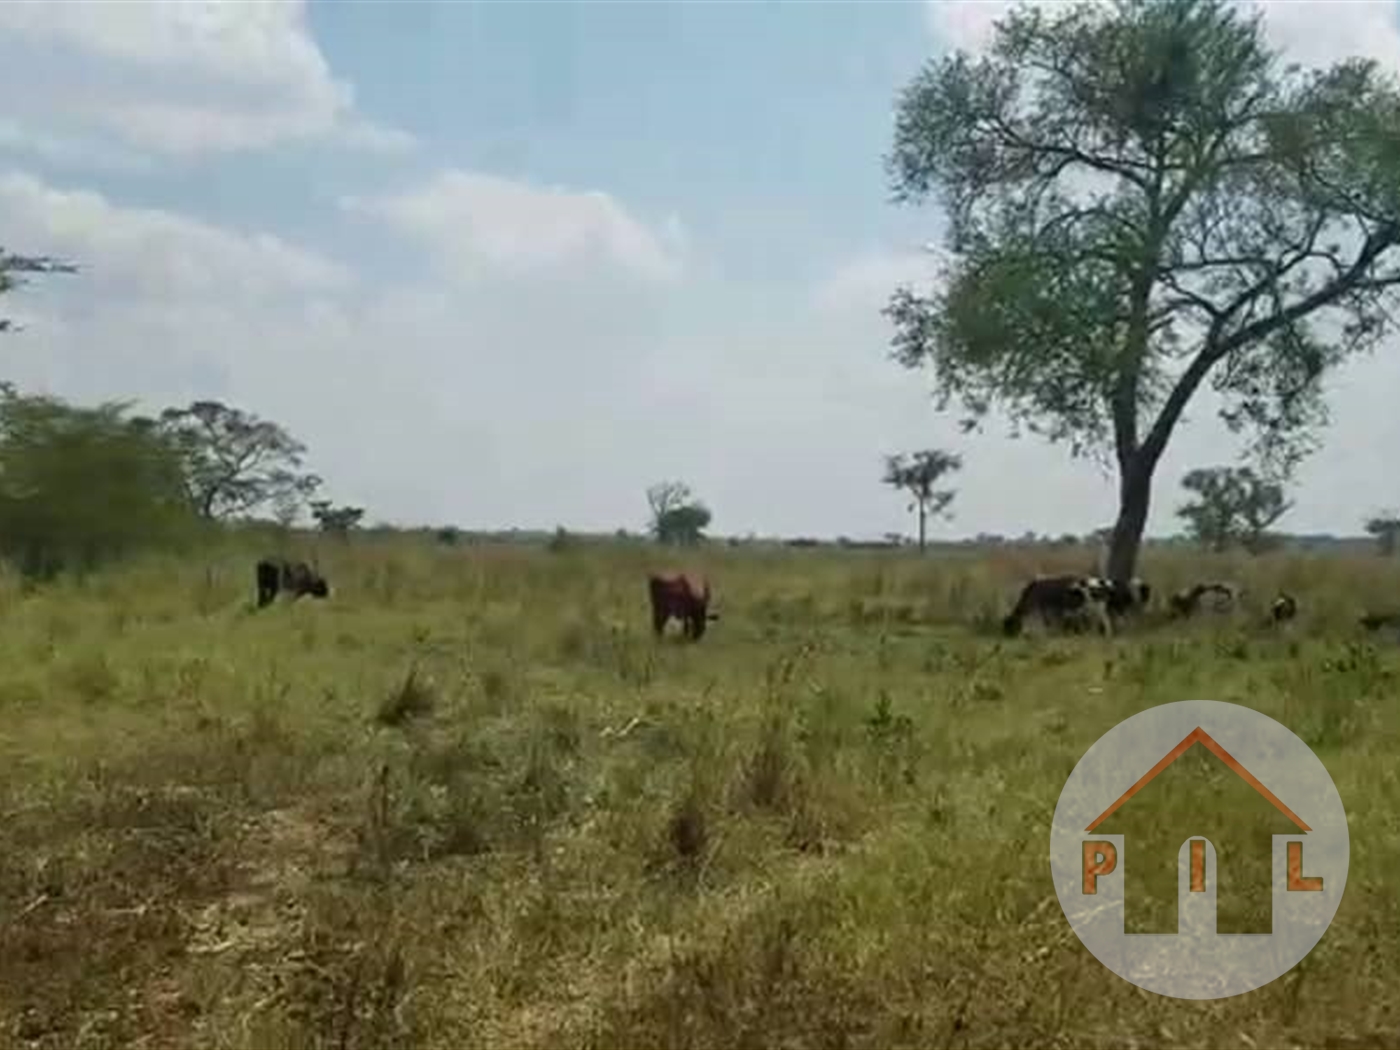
<point>469,801</point>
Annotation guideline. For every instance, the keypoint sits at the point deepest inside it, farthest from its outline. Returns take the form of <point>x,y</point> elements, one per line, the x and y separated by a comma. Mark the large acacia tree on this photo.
<point>236,462</point>
<point>1141,198</point>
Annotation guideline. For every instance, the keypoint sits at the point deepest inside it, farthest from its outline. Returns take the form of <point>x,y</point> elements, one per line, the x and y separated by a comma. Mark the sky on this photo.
<point>504,264</point>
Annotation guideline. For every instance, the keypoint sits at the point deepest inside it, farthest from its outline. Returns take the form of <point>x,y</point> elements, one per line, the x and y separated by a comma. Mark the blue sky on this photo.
<point>509,263</point>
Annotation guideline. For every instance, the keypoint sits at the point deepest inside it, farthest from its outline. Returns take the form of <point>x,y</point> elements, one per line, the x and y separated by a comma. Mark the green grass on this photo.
<point>469,801</point>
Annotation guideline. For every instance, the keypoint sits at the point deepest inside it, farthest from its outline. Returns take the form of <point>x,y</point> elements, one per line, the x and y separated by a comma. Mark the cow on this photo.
<point>1185,602</point>
<point>1061,601</point>
<point>296,578</point>
<point>1375,621</point>
<point>683,597</point>
<point>1119,596</point>
<point>1065,601</point>
<point>1283,608</point>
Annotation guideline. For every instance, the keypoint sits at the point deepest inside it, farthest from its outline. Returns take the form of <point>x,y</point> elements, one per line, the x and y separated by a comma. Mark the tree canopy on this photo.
<point>336,520</point>
<point>80,486</point>
<point>1385,527</point>
<point>917,474</point>
<point>1231,505</point>
<point>236,462</point>
<point>676,515</point>
<point>1140,197</point>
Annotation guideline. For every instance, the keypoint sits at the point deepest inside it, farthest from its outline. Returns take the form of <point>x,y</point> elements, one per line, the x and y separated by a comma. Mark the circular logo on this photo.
<point>1199,849</point>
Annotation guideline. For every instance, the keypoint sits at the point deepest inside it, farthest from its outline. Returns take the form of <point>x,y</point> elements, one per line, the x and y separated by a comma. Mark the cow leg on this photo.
<point>658,621</point>
<point>1105,622</point>
<point>267,590</point>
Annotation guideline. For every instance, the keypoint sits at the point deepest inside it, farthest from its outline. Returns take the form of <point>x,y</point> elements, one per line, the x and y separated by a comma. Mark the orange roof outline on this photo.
<point>1200,736</point>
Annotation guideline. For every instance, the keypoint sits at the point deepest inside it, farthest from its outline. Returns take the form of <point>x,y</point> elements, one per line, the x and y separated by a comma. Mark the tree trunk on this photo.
<point>1134,500</point>
<point>923,516</point>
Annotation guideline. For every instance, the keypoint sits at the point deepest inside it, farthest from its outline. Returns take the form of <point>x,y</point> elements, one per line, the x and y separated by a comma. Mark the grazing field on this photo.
<point>469,801</point>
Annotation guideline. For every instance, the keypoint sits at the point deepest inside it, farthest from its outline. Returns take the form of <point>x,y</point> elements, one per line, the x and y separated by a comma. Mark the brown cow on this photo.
<point>682,597</point>
<point>1186,602</point>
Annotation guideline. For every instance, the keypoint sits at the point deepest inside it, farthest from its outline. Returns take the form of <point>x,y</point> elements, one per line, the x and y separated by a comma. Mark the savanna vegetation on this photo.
<point>469,800</point>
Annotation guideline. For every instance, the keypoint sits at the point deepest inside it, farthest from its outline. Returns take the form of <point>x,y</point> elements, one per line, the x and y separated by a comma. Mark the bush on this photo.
<point>83,486</point>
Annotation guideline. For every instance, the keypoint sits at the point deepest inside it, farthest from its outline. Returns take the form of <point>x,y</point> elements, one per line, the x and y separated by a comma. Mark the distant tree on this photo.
<point>13,269</point>
<point>1231,505</point>
<point>338,521</point>
<point>448,535</point>
<point>1385,527</point>
<point>236,462</point>
<point>1141,198</point>
<point>83,486</point>
<point>917,474</point>
<point>676,516</point>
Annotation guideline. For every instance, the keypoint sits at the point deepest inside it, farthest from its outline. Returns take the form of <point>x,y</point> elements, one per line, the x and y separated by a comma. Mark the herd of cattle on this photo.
<point>1068,602</point>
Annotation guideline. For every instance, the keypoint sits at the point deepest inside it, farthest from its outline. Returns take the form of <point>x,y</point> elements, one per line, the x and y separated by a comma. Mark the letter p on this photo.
<point>1100,858</point>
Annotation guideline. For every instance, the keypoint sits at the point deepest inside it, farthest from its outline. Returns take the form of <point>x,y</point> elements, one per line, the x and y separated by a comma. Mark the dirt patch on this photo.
<point>105,918</point>
<point>96,906</point>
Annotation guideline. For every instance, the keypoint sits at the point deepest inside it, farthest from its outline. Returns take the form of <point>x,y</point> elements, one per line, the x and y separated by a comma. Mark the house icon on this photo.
<point>1199,792</point>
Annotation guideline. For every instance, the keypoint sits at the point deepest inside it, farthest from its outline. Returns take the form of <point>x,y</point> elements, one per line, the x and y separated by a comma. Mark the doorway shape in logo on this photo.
<point>1200,796</point>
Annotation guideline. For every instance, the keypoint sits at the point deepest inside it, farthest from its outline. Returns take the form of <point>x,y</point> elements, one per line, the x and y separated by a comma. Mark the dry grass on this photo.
<point>469,801</point>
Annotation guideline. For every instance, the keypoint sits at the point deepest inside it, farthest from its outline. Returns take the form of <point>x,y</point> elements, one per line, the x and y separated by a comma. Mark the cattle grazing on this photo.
<point>1060,601</point>
<point>296,578</point>
<point>1069,601</point>
<point>1375,621</point>
<point>1187,601</point>
<point>1283,608</point>
<point>682,597</point>
<point>1119,596</point>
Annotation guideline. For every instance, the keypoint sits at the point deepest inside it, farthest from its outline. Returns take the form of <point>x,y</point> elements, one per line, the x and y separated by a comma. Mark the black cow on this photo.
<point>1283,608</point>
<point>1060,601</point>
<point>1375,621</point>
<point>1067,601</point>
<point>682,597</point>
<point>295,577</point>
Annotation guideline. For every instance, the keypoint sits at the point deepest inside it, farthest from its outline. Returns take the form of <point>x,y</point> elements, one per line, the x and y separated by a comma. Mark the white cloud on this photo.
<point>68,150</point>
<point>475,223</point>
<point>149,252</point>
<point>867,281</point>
<point>179,78</point>
<point>519,402</point>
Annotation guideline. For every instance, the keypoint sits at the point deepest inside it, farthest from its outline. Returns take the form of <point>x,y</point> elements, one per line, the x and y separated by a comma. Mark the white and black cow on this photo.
<point>1072,601</point>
